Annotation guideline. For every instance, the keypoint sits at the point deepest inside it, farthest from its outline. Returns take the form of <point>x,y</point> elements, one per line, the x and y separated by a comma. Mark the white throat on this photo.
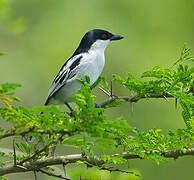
<point>99,45</point>
<point>96,58</point>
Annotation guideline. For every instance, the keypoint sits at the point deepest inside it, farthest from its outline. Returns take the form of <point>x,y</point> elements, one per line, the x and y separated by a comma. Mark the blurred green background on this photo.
<point>40,35</point>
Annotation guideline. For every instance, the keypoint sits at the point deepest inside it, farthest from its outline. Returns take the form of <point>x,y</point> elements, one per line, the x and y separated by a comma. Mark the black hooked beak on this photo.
<point>116,37</point>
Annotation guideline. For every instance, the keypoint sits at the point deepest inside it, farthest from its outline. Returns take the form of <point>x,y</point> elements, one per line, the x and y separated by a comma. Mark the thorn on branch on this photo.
<point>176,102</point>
<point>105,92</point>
<point>131,108</point>
<point>111,89</point>
<point>165,97</point>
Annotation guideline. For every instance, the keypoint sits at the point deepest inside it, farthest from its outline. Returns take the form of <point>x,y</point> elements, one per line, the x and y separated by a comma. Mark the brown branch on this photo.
<point>13,133</point>
<point>35,175</point>
<point>138,97</point>
<point>41,150</point>
<point>23,133</point>
<point>68,159</point>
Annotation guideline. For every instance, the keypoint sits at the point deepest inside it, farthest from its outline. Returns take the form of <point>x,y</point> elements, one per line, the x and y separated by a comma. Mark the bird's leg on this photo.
<point>70,108</point>
<point>97,105</point>
<point>72,113</point>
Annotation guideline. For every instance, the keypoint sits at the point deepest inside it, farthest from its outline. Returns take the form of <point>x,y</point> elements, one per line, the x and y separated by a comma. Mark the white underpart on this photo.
<point>91,64</point>
<point>96,59</point>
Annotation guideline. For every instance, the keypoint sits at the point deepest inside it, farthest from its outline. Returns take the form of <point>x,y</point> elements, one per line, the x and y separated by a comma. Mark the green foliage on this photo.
<point>92,131</point>
<point>96,83</point>
<point>184,56</point>
<point>3,53</point>
<point>3,178</point>
<point>96,174</point>
<point>6,94</point>
<point>5,88</point>
<point>176,82</point>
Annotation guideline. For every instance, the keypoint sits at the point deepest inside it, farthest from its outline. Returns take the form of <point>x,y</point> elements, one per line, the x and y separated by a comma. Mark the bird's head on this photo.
<point>96,39</point>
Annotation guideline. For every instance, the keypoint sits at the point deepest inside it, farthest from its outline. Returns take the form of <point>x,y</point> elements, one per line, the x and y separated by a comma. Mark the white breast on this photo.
<point>92,65</point>
<point>93,61</point>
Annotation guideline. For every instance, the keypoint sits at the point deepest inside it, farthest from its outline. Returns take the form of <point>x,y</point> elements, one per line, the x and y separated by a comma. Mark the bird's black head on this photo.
<point>99,34</point>
<point>93,36</point>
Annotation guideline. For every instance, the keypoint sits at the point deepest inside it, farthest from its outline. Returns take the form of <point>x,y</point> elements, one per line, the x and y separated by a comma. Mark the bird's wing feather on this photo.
<point>66,73</point>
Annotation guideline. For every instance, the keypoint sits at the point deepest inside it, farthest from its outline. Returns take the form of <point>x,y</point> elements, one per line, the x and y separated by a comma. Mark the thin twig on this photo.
<point>35,175</point>
<point>41,150</point>
<point>65,132</point>
<point>14,152</point>
<point>111,169</point>
<point>13,133</point>
<point>64,169</point>
<point>111,89</point>
<point>54,175</point>
<point>34,155</point>
<point>176,102</point>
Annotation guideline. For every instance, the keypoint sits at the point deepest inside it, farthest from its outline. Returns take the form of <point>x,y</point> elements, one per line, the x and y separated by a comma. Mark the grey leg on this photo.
<point>70,108</point>
<point>97,105</point>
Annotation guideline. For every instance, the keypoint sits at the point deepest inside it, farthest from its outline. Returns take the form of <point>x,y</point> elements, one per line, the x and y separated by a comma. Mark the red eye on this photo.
<point>104,36</point>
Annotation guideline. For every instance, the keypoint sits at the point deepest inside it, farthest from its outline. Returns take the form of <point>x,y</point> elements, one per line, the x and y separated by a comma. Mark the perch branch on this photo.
<point>137,98</point>
<point>68,159</point>
<point>13,133</point>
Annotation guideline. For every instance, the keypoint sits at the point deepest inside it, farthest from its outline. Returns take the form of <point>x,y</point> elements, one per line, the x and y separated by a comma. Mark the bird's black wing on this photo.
<point>66,73</point>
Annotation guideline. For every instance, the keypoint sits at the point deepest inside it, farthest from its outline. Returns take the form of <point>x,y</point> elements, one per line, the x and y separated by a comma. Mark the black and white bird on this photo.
<point>88,59</point>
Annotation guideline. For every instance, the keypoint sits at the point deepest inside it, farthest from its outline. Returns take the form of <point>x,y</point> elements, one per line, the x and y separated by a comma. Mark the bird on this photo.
<point>88,59</point>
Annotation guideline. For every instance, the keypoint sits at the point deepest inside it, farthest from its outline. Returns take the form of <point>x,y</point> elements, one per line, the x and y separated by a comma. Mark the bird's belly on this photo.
<point>65,94</point>
<point>93,69</point>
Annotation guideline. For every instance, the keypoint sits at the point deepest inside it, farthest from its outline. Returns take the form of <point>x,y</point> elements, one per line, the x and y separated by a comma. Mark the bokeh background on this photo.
<point>40,35</point>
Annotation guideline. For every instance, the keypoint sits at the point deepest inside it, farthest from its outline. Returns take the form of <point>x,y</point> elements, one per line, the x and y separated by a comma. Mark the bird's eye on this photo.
<point>104,36</point>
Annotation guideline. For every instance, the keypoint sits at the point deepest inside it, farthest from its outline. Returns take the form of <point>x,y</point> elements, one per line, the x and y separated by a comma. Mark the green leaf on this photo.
<point>2,177</point>
<point>87,79</point>
<point>3,53</point>
<point>105,84</point>
<point>4,88</point>
<point>184,56</point>
<point>2,154</point>
<point>24,147</point>
<point>96,83</point>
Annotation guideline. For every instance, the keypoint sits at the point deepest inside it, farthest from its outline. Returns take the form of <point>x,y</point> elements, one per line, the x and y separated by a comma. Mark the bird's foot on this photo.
<point>97,105</point>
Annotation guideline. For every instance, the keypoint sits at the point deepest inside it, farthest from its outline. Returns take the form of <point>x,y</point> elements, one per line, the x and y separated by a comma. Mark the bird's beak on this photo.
<point>116,37</point>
